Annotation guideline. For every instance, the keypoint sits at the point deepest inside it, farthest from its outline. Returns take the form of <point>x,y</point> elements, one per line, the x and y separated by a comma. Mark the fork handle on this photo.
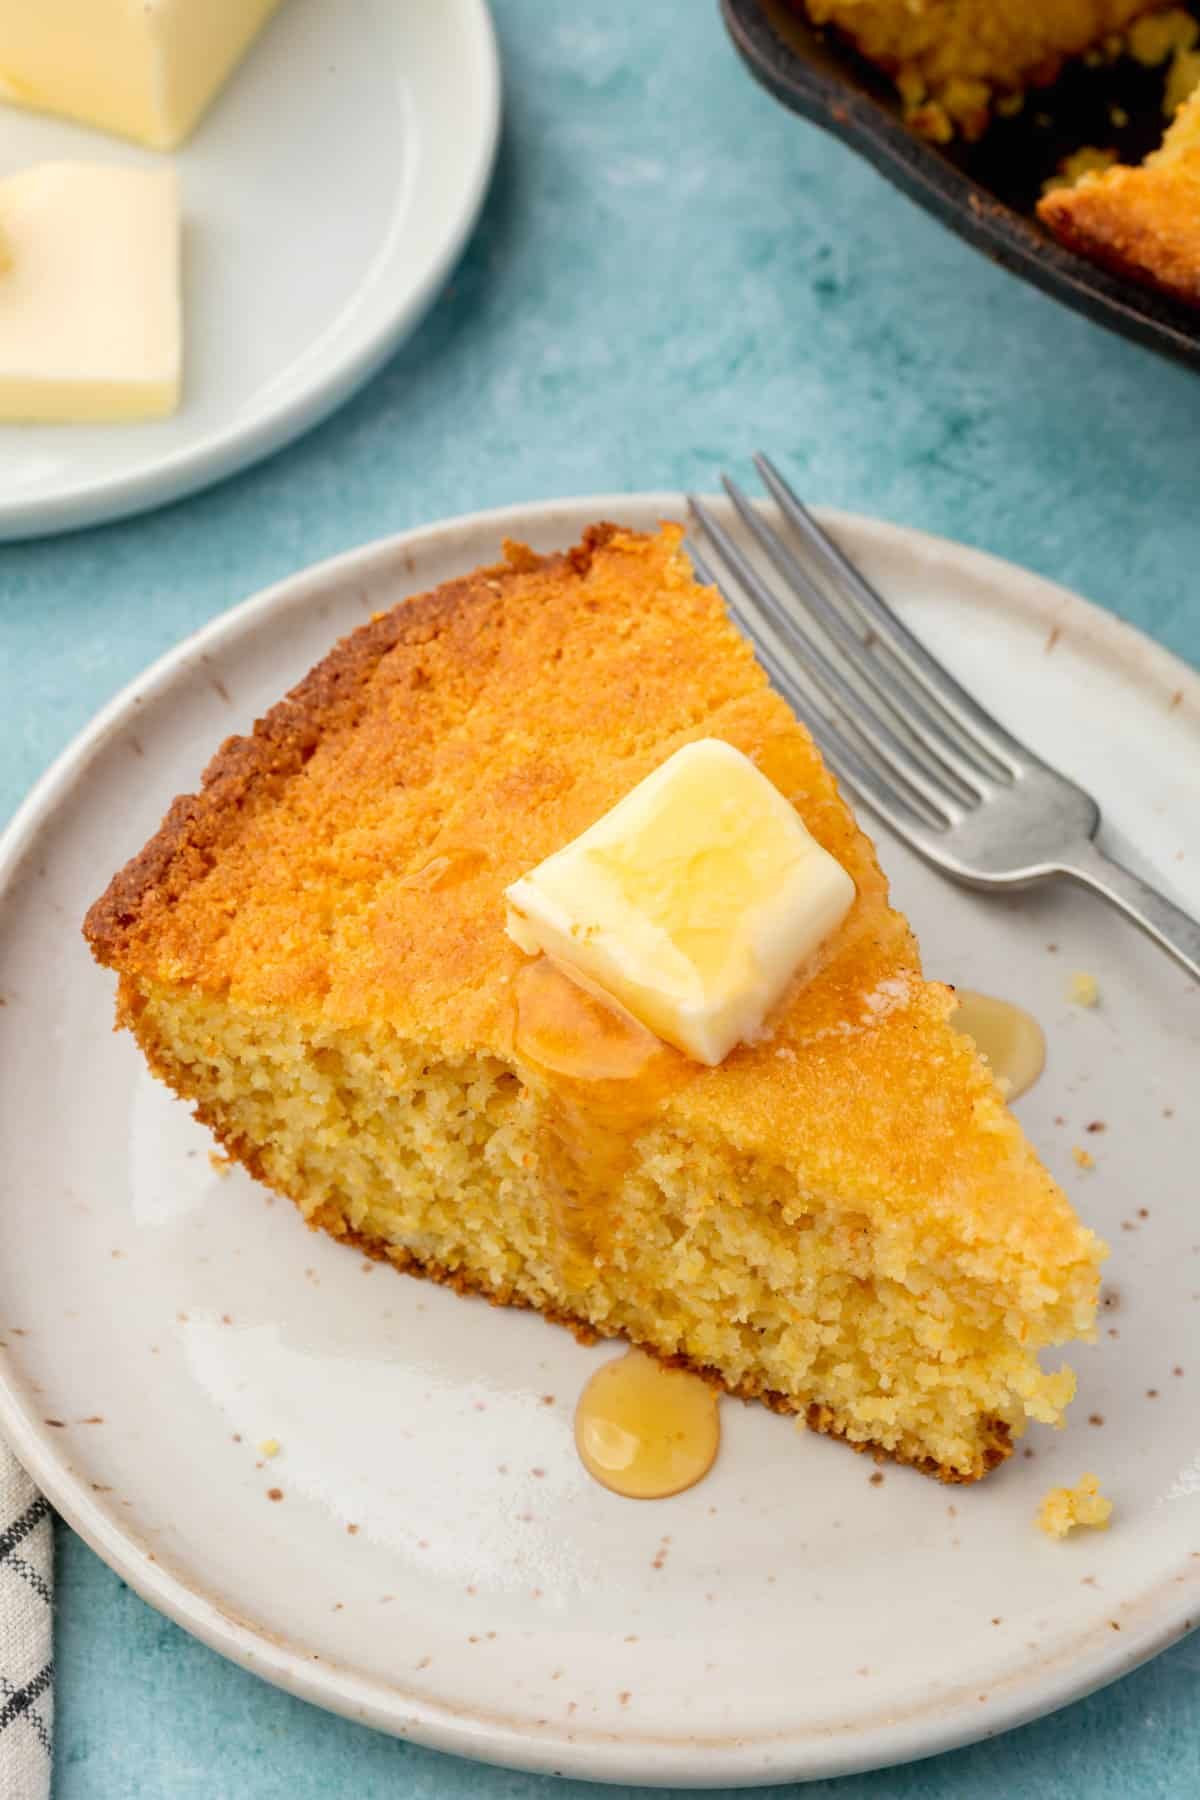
<point>1170,927</point>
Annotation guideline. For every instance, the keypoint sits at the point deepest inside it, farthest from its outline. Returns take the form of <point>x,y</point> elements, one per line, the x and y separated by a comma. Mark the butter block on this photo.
<point>692,903</point>
<point>90,325</point>
<point>146,69</point>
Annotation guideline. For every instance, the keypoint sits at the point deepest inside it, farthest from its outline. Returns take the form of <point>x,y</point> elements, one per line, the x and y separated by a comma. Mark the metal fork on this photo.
<point>900,732</point>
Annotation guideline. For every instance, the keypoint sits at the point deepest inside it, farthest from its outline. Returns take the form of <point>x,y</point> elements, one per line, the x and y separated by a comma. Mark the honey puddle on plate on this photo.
<point>1008,1038</point>
<point>644,1430</point>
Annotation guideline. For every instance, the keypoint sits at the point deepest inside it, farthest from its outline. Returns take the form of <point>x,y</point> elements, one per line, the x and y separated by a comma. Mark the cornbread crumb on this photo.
<point>1065,1508</point>
<point>1087,161</point>
<point>221,1163</point>
<point>1083,1157</point>
<point>1155,36</point>
<point>1183,79</point>
<point>1084,989</point>
<point>269,1447</point>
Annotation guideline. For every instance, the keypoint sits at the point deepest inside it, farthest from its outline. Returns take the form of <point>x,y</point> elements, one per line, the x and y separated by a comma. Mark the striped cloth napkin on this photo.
<point>26,1635</point>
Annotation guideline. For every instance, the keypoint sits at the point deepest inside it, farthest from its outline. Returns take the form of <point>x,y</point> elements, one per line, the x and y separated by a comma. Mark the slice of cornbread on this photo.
<point>1142,221</point>
<point>842,1219</point>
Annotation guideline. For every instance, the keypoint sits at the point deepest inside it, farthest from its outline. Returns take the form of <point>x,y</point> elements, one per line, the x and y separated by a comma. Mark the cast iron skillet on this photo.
<point>985,191</point>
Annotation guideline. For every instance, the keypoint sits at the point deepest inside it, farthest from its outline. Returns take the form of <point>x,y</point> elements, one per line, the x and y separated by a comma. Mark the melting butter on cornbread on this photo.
<point>692,902</point>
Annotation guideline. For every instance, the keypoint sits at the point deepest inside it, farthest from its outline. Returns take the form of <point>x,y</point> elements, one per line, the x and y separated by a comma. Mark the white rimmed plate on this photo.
<point>326,196</point>
<point>788,1617</point>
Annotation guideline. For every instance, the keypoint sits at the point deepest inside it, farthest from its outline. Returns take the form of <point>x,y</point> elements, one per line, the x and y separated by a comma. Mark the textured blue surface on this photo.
<point>669,272</point>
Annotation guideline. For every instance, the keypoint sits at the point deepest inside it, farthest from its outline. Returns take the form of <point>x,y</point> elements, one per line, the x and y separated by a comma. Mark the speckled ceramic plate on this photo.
<point>425,1553</point>
<point>325,198</point>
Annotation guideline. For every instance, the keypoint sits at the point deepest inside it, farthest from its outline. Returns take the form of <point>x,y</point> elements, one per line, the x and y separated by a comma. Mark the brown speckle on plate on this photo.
<point>1095,1418</point>
<point>274,1493</point>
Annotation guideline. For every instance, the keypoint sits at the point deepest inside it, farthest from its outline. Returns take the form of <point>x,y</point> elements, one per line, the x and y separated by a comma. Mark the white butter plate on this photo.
<point>326,196</point>
<point>438,1563</point>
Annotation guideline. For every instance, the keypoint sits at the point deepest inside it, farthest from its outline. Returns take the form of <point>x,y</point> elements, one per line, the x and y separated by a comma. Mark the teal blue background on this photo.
<point>670,271</point>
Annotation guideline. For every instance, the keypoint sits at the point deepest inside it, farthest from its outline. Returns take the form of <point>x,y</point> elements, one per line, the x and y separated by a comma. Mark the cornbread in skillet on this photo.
<point>951,59</point>
<point>1142,221</point>
<point>842,1219</point>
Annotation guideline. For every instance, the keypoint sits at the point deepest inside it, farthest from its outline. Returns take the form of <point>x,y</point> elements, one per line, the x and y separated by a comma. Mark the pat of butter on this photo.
<point>146,69</point>
<point>692,903</point>
<point>89,300</point>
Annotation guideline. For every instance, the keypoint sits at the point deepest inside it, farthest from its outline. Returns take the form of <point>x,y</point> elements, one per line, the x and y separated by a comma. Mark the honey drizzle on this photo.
<point>1009,1039</point>
<point>646,1431</point>
<point>602,1077</point>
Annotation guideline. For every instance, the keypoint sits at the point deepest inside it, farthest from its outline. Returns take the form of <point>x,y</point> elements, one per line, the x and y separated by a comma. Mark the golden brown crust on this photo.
<point>251,769</point>
<point>1144,223</point>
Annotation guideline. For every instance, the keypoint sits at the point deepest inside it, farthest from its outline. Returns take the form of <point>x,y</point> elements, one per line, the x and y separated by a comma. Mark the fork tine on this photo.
<point>937,681</point>
<point>899,695</point>
<point>905,808</point>
<point>916,771</point>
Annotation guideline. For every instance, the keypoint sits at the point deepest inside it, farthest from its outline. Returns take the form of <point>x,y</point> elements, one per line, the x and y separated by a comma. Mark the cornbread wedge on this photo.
<point>842,1219</point>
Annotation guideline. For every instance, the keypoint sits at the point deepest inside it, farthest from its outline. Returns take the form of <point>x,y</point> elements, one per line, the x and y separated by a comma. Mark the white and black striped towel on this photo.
<point>26,1635</point>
